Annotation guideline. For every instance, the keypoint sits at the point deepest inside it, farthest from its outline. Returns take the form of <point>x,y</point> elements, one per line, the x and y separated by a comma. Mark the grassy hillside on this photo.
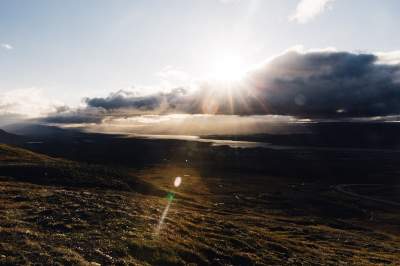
<point>23,165</point>
<point>10,154</point>
<point>59,212</point>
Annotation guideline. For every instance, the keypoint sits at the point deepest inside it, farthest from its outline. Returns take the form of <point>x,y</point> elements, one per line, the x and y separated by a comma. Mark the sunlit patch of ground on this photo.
<point>220,219</point>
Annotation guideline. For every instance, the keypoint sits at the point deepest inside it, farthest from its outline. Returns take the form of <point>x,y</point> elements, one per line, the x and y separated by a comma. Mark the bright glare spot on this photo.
<point>228,68</point>
<point>178,181</point>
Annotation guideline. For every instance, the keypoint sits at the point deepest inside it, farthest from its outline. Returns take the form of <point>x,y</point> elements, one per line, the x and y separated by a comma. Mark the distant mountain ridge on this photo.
<point>333,134</point>
<point>39,130</point>
<point>9,138</point>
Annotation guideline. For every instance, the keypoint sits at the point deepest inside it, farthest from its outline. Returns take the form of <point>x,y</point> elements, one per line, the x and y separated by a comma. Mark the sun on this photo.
<point>228,68</point>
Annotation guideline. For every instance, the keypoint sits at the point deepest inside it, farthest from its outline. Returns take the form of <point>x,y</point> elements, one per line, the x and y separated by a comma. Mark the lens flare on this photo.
<point>178,181</point>
<point>170,197</point>
<point>163,216</point>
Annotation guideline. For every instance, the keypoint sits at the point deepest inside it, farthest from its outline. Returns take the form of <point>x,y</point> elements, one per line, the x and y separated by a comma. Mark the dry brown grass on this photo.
<point>219,219</point>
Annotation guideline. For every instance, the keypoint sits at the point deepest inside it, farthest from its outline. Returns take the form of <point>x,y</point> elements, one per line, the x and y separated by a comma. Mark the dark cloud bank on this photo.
<point>319,84</point>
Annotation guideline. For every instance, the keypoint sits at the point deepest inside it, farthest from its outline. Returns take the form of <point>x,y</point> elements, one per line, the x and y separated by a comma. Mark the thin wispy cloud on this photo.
<point>173,77</point>
<point>6,46</point>
<point>307,10</point>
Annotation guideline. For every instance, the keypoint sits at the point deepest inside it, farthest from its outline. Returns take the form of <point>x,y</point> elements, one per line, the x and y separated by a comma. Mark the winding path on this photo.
<point>342,188</point>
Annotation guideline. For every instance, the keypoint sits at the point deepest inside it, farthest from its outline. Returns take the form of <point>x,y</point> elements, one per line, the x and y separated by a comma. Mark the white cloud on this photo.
<point>391,58</point>
<point>30,103</point>
<point>171,77</point>
<point>6,46</point>
<point>307,10</point>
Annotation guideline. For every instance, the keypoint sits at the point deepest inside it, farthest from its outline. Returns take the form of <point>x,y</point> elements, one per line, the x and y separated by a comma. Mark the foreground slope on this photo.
<point>82,214</point>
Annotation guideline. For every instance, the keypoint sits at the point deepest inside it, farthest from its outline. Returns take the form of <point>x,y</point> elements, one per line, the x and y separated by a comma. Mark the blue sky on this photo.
<point>72,49</point>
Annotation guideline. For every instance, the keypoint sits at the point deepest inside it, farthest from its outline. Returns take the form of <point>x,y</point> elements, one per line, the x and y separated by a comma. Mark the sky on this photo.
<point>60,56</point>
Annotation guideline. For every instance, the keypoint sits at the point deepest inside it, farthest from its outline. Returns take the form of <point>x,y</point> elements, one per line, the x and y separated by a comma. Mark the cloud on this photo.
<point>122,103</point>
<point>391,58</point>
<point>122,99</point>
<point>75,116</point>
<point>28,103</point>
<point>7,119</point>
<point>314,84</point>
<point>307,10</point>
<point>6,46</point>
<point>329,84</point>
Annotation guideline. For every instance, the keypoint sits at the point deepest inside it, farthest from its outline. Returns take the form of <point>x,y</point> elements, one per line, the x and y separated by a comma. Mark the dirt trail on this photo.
<point>343,189</point>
